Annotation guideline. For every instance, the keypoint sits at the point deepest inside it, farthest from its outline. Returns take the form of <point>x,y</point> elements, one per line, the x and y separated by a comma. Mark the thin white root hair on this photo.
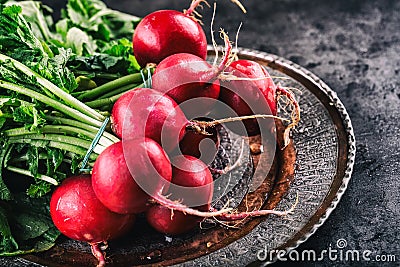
<point>231,56</point>
<point>212,36</point>
<point>291,89</point>
<point>235,52</point>
<point>231,77</point>
<point>234,166</point>
<point>237,2</point>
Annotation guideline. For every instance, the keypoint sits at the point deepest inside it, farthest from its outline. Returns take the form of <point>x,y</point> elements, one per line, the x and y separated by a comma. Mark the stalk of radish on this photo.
<point>78,214</point>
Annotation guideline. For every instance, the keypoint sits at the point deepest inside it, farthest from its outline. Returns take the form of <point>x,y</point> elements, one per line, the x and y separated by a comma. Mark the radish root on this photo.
<point>192,13</point>
<point>230,167</point>
<point>174,205</point>
<point>212,36</point>
<point>227,57</point>
<point>201,126</point>
<point>224,214</point>
<point>295,115</point>
<point>98,253</point>
<point>243,215</point>
<point>237,2</point>
<point>237,222</point>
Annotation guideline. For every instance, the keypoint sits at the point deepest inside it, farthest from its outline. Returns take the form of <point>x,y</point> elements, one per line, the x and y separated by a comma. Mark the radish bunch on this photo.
<point>156,168</point>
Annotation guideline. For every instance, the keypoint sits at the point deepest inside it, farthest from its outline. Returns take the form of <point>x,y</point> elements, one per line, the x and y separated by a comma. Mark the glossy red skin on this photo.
<point>190,172</point>
<point>167,32</point>
<point>186,77</point>
<point>79,215</point>
<point>159,217</point>
<point>115,175</point>
<point>162,220</point>
<point>249,97</point>
<point>150,113</point>
<point>190,145</point>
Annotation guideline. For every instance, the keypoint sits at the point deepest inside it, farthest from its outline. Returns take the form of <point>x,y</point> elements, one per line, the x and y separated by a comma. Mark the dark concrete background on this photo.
<point>354,46</point>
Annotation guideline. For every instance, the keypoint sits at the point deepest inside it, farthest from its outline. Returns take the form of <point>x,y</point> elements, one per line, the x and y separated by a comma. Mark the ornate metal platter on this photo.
<point>325,152</point>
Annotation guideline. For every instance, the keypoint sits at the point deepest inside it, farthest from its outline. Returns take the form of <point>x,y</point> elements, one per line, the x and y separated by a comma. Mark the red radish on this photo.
<point>262,80</point>
<point>170,222</point>
<point>192,183</point>
<point>116,183</point>
<point>186,77</point>
<point>78,214</point>
<point>150,111</point>
<point>199,145</point>
<point>251,91</point>
<point>130,173</point>
<point>167,32</point>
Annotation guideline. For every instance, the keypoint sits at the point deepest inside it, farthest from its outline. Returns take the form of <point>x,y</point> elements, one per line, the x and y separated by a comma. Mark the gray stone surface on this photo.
<point>354,46</point>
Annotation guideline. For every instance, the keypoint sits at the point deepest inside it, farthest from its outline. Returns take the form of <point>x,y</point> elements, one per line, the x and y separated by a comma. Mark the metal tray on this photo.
<point>325,153</point>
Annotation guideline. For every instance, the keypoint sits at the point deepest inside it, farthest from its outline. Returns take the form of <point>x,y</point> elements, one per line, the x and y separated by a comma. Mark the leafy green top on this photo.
<point>44,131</point>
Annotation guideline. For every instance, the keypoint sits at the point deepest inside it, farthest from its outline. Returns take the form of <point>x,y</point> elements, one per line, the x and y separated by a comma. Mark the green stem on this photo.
<point>54,137</point>
<point>81,125</point>
<point>25,158</point>
<point>51,102</point>
<point>119,90</point>
<point>105,101</point>
<point>60,145</point>
<point>5,193</point>
<point>66,97</point>
<point>107,87</point>
<point>6,115</point>
<point>58,129</point>
<point>42,156</point>
<point>28,173</point>
<point>99,75</point>
<point>78,124</point>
